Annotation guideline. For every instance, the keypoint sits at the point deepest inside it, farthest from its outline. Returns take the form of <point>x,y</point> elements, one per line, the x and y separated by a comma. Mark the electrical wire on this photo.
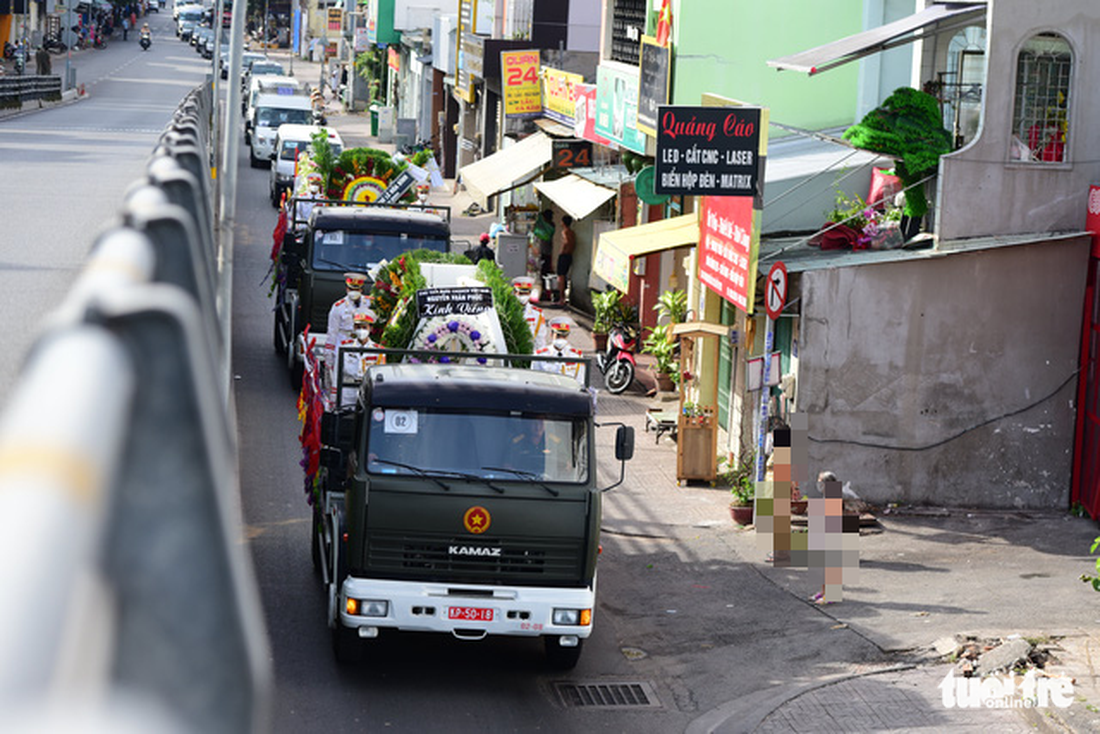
<point>958,435</point>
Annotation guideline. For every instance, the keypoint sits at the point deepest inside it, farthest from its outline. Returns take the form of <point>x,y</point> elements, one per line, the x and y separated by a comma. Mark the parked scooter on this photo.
<point>617,362</point>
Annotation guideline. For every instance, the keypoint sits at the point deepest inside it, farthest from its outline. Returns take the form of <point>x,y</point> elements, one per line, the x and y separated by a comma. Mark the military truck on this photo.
<point>327,238</point>
<point>461,498</point>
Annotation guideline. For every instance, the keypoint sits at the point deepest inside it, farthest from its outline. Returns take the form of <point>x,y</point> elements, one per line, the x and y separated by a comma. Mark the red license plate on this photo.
<point>470,614</point>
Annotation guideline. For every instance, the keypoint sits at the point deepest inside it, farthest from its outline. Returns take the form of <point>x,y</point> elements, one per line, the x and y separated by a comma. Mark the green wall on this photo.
<point>722,46</point>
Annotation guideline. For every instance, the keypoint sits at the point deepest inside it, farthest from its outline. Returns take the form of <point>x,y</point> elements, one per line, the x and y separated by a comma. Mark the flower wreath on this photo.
<point>451,333</point>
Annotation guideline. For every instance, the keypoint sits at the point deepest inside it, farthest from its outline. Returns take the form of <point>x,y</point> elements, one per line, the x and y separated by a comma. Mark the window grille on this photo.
<point>1040,120</point>
<point>518,19</point>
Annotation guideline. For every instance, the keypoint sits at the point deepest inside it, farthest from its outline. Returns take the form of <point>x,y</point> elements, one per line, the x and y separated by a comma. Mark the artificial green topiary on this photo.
<point>909,126</point>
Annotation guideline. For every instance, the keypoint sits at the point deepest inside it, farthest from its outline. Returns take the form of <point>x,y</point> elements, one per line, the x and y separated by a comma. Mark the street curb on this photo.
<point>763,704</point>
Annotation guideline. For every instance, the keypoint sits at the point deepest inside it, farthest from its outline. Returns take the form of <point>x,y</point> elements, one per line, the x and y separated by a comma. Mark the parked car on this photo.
<point>290,142</point>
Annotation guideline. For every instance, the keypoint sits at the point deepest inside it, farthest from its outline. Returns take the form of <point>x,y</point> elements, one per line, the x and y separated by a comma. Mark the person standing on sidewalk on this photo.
<point>543,233</point>
<point>42,61</point>
<point>565,256</point>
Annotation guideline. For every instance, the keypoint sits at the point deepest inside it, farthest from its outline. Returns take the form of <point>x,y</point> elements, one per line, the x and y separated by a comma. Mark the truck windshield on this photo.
<point>293,148</point>
<point>275,116</point>
<point>501,447</point>
<point>341,250</point>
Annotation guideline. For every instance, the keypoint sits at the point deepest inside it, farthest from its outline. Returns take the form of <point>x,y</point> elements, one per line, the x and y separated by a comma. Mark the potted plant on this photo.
<point>909,126</point>
<point>673,306</point>
<point>608,308</point>
<point>738,476</point>
<point>661,345</point>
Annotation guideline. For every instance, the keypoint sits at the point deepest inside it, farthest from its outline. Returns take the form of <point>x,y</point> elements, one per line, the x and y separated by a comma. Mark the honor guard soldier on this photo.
<point>536,322</point>
<point>560,347</point>
<point>341,318</point>
<point>355,362</point>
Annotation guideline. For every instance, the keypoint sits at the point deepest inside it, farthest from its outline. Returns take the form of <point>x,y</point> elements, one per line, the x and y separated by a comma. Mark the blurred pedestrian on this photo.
<point>42,61</point>
<point>125,28</point>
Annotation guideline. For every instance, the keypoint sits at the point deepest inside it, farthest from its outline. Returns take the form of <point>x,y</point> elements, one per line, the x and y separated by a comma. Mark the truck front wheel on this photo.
<point>562,658</point>
<point>346,644</point>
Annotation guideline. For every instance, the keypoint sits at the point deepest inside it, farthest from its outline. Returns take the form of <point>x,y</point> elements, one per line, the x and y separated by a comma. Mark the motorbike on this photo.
<point>617,363</point>
<point>145,42</point>
<point>54,44</point>
<point>9,50</point>
<point>20,61</point>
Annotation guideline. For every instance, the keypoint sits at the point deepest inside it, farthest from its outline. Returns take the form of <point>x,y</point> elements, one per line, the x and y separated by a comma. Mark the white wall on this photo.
<point>411,15</point>
<point>980,191</point>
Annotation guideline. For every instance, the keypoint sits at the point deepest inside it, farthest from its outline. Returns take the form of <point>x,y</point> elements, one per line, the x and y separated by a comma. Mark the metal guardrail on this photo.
<point>15,90</point>
<point>129,601</point>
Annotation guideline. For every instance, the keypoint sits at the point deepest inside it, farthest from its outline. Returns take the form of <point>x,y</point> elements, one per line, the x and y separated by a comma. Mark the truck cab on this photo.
<point>335,238</point>
<point>462,499</point>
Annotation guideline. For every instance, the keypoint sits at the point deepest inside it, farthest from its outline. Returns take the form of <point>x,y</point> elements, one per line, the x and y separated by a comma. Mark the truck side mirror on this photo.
<point>624,443</point>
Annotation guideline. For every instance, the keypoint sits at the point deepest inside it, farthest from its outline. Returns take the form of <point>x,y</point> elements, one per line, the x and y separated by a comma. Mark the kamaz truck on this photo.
<point>461,498</point>
<point>325,239</point>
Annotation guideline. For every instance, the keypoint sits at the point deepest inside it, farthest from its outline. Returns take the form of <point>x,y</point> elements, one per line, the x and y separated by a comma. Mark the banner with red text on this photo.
<point>519,71</point>
<point>728,248</point>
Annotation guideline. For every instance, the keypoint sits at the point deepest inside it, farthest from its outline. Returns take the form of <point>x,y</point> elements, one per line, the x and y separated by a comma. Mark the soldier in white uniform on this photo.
<point>303,207</point>
<point>355,363</point>
<point>536,322</point>
<point>341,319</point>
<point>560,347</point>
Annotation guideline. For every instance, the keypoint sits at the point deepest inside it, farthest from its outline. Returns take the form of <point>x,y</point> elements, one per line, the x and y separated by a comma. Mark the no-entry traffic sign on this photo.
<point>775,291</point>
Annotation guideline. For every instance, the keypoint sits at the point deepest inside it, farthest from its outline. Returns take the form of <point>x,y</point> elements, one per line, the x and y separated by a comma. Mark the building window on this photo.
<point>1040,120</point>
<point>627,27</point>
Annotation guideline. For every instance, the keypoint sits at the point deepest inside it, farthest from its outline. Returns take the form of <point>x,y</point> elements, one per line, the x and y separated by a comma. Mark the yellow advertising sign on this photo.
<point>559,94</point>
<point>519,71</point>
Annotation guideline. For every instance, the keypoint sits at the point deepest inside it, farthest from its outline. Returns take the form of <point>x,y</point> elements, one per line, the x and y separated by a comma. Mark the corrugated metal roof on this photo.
<point>800,257</point>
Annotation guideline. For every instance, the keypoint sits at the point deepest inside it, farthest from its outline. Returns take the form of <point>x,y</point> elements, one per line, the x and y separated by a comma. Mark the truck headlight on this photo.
<point>367,607</point>
<point>572,617</point>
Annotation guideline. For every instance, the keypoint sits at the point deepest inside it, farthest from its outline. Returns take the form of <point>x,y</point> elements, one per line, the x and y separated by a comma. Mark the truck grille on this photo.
<point>542,561</point>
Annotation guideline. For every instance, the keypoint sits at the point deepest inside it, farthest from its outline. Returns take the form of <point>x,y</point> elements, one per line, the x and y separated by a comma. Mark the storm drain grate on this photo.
<point>607,695</point>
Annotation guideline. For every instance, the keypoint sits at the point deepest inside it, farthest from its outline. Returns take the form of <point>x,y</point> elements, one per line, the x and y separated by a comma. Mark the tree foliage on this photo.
<point>909,127</point>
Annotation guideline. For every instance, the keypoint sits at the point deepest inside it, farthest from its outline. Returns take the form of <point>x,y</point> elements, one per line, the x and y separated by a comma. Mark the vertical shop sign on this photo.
<point>335,19</point>
<point>617,107</point>
<point>559,95</point>
<point>393,60</point>
<point>463,86</point>
<point>728,249</point>
<point>519,72</point>
<point>653,81</point>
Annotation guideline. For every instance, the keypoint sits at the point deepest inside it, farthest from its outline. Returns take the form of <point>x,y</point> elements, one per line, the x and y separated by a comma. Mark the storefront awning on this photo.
<point>617,248</point>
<point>506,168</point>
<point>578,197</point>
<point>936,17</point>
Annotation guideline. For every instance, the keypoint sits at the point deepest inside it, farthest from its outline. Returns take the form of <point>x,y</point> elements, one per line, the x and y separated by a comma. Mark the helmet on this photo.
<point>560,326</point>
<point>355,281</point>
<point>484,238</point>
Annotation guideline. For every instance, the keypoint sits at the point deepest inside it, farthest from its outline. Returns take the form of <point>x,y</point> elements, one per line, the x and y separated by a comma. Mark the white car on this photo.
<point>262,85</point>
<point>290,142</point>
<point>272,111</point>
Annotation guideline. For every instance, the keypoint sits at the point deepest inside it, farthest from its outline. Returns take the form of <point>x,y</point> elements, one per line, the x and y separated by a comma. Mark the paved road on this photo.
<point>63,172</point>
